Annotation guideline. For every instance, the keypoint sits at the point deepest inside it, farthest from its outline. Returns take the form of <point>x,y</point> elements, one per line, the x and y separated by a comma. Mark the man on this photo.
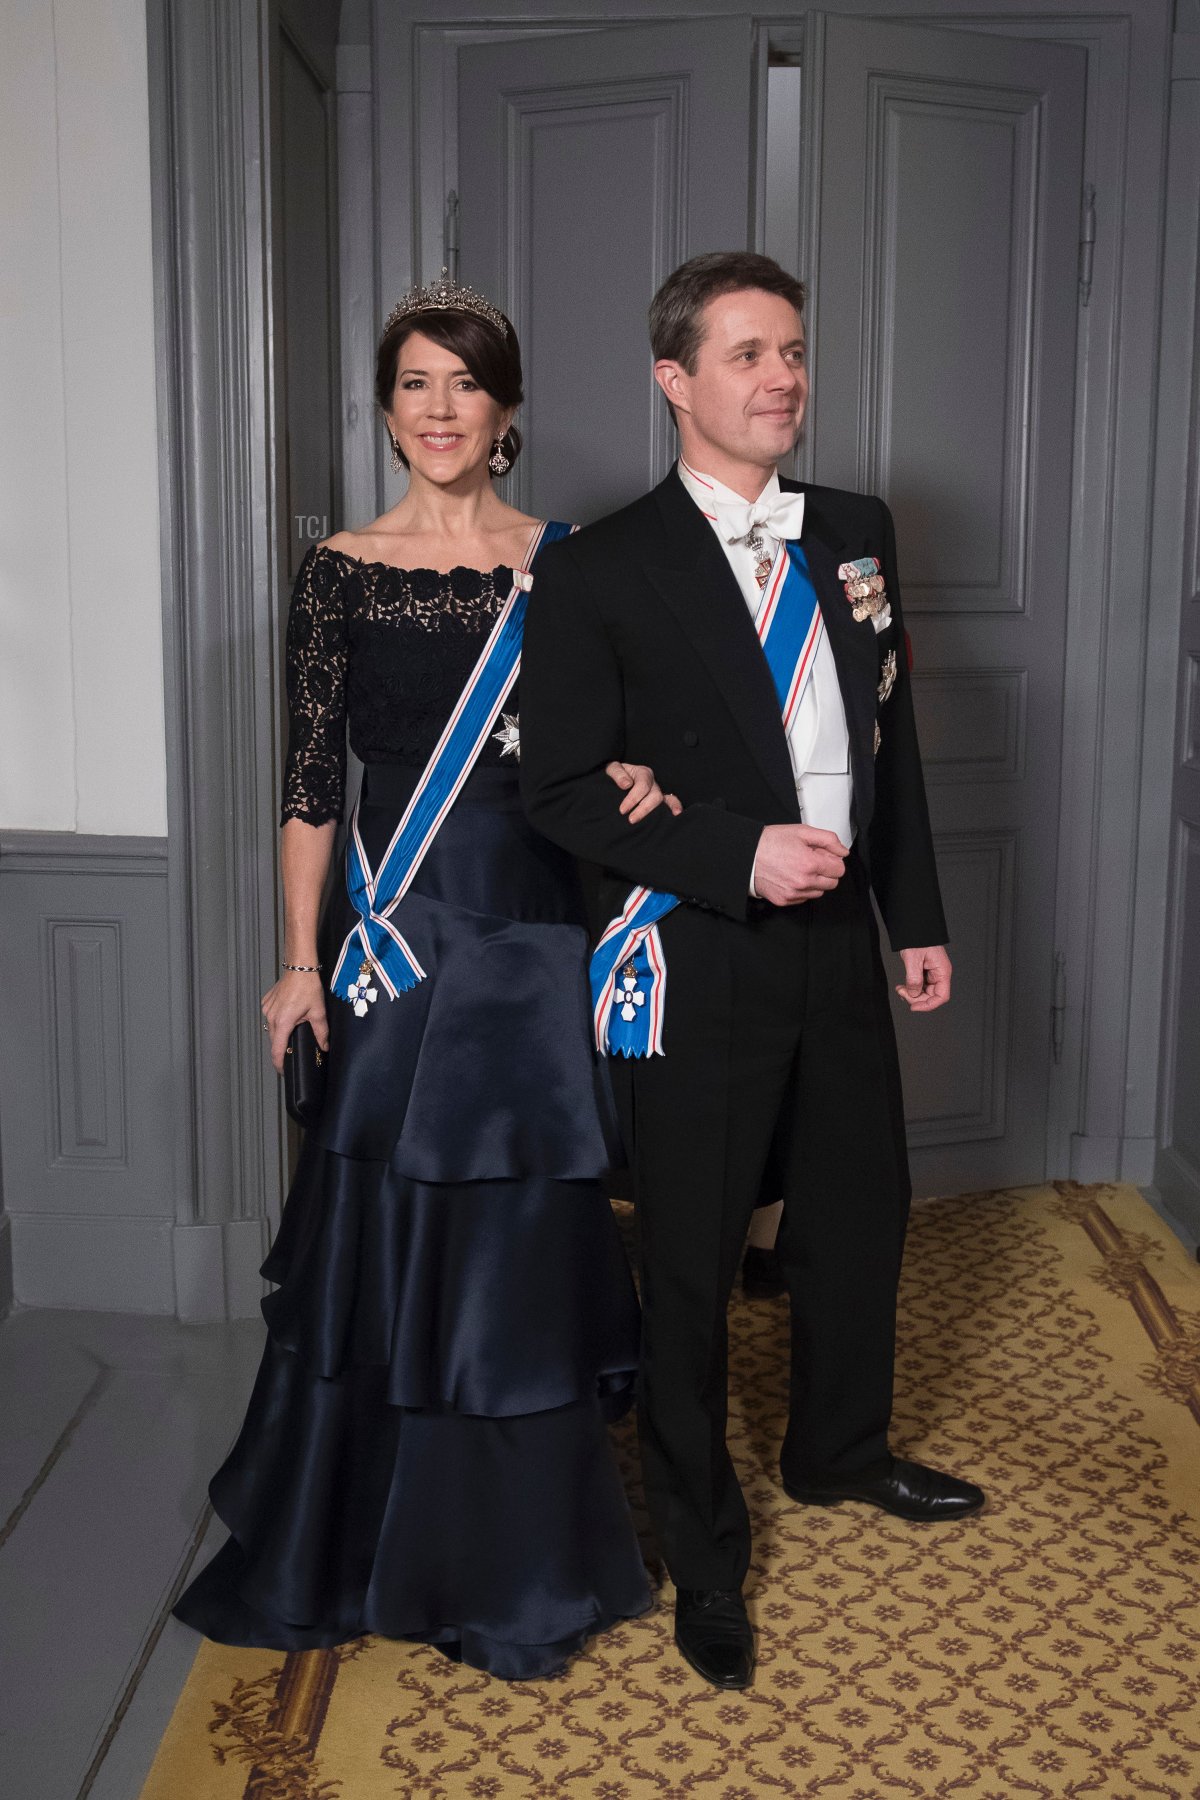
<point>648,639</point>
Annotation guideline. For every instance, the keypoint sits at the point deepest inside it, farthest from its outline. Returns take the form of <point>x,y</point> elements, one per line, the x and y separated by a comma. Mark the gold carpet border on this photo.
<point>1176,1340</point>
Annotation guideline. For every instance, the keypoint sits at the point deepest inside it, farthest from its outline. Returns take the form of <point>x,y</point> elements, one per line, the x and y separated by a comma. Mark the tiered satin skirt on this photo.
<point>425,1454</point>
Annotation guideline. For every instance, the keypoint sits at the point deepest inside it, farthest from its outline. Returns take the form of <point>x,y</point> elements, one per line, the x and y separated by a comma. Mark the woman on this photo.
<point>425,1453</point>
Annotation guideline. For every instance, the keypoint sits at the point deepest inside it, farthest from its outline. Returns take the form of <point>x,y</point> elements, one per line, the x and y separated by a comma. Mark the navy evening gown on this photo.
<point>425,1454</point>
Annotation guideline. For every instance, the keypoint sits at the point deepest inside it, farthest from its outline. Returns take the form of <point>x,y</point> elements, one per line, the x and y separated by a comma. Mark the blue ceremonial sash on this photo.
<point>628,969</point>
<point>375,952</point>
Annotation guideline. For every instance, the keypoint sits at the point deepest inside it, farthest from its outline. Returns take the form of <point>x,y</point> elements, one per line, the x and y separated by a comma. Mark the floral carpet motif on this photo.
<point>1050,1348</point>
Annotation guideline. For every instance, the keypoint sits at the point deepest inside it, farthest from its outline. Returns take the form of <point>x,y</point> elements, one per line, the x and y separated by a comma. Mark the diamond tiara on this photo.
<point>445,295</point>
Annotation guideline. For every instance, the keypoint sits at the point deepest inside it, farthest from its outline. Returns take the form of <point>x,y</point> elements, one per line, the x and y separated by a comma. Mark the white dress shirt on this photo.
<point>819,742</point>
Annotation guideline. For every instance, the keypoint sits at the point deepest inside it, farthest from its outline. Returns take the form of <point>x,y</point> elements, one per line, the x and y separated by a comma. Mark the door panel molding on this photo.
<point>603,106</point>
<point>971,723</point>
<point>580,156</point>
<point>81,964</point>
<point>968,1043</point>
<point>1189,712</point>
<point>948,199</point>
<point>893,102</point>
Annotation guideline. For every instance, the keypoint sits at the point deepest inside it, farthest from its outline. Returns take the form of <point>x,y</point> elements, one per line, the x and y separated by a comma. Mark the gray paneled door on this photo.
<point>589,167</point>
<point>946,232</point>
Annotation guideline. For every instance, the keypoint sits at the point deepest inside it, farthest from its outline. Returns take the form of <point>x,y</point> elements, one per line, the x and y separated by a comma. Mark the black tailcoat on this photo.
<point>780,1071</point>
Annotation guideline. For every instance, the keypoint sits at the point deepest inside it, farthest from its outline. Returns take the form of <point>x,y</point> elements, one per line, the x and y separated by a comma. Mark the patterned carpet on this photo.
<point>1050,1347</point>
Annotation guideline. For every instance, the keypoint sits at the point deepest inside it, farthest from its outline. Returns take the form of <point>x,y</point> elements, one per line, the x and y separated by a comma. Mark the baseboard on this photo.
<point>1178,1186</point>
<point>1137,1160</point>
<point>1095,1158</point>
<point>203,1274</point>
<point>93,1264</point>
<point>216,1270</point>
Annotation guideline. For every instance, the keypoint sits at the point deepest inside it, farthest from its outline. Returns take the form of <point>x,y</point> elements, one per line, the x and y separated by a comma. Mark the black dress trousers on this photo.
<point>780,1066</point>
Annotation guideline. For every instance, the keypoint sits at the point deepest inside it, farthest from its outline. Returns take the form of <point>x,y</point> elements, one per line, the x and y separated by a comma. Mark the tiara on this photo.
<point>445,295</point>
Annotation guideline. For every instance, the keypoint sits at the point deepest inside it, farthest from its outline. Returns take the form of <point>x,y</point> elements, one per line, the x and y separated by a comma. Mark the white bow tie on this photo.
<point>782,516</point>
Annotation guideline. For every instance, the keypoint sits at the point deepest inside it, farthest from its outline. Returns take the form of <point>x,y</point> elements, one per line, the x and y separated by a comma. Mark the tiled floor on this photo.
<point>109,1429</point>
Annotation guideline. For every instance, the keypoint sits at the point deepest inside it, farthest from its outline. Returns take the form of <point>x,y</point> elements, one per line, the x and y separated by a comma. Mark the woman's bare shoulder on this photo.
<point>363,542</point>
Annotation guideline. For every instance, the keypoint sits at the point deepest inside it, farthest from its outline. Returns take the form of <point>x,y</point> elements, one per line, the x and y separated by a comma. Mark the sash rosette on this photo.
<point>628,968</point>
<point>375,954</point>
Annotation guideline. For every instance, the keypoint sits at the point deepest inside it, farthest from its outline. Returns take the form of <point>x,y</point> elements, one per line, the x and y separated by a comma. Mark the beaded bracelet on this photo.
<point>303,968</point>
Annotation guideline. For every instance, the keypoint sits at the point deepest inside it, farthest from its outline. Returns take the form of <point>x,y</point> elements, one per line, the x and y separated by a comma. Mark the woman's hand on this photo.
<point>642,793</point>
<point>293,999</point>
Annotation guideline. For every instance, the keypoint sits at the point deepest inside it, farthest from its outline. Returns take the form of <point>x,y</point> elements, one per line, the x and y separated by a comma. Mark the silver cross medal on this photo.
<point>631,995</point>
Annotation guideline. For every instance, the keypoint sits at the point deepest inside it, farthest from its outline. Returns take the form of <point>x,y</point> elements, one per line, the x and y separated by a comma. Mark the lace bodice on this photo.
<point>386,651</point>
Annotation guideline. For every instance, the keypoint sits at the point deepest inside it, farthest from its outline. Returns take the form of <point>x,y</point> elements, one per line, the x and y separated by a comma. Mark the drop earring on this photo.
<point>498,463</point>
<point>396,462</point>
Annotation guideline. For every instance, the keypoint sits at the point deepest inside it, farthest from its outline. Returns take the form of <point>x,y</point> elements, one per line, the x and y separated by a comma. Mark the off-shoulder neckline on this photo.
<point>361,562</point>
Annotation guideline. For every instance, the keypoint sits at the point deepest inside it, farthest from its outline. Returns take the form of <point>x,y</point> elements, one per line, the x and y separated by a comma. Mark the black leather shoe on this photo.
<point>714,1635</point>
<point>762,1274</point>
<point>908,1489</point>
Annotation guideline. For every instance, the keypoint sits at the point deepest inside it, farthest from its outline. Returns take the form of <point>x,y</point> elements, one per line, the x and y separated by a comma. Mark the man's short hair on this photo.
<point>677,310</point>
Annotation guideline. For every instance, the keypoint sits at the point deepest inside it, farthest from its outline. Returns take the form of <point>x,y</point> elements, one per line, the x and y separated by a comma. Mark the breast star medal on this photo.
<point>509,735</point>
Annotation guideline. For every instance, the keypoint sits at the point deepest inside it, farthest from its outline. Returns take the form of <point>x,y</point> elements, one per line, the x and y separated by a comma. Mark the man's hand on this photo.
<point>642,793</point>
<point>926,983</point>
<point>797,862</point>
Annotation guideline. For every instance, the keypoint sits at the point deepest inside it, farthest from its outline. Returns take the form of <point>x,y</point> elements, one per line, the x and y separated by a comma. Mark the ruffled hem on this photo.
<point>493,1299</point>
<point>505,1543</point>
<point>213,1606</point>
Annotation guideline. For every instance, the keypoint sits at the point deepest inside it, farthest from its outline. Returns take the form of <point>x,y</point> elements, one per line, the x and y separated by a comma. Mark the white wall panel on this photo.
<point>81,686</point>
<point>37,729</point>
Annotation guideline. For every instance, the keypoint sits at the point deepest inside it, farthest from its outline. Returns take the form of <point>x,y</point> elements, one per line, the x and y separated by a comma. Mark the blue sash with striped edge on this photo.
<point>628,970</point>
<point>375,954</point>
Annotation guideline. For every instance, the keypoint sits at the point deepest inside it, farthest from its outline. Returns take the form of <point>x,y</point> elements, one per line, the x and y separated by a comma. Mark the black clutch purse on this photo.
<point>305,1068</point>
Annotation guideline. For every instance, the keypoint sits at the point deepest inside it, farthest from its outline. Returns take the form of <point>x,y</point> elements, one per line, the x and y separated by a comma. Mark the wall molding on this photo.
<point>79,853</point>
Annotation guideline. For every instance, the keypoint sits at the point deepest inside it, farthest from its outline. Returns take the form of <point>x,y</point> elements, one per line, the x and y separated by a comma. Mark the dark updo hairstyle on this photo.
<point>492,359</point>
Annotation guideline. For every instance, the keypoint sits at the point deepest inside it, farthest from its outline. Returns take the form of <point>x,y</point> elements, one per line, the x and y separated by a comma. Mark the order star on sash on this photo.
<point>509,735</point>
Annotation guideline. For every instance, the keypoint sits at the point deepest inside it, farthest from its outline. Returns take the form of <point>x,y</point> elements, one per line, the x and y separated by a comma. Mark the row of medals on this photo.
<point>864,595</point>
